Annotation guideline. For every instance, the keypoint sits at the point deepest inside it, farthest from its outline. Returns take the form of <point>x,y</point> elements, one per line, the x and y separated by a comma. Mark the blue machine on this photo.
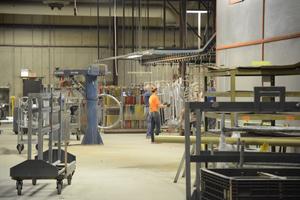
<point>92,135</point>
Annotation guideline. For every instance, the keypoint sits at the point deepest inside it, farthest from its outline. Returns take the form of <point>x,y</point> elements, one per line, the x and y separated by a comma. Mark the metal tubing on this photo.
<point>29,128</point>
<point>50,145</point>
<point>148,24</point>
<point>270,129</point>
<point>179,168</point>
<point>279,141</point>
<point>61,127</point>
<point>249,157</point>
<point>164,23</point>
<point>40,134</point>
<point>98,31</point>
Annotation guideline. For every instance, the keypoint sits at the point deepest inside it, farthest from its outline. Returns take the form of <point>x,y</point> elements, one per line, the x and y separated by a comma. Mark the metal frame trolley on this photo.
<point>53,163</point>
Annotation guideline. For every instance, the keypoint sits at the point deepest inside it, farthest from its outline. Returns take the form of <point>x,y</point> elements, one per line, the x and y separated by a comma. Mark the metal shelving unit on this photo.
<point>129,121</point>
<point>261,71</point>
<point>239,156</point>
<point>53,163</point>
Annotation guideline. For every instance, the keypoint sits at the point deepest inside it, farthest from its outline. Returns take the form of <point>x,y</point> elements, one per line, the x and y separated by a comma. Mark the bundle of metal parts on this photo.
<point>239,156</point>
<point>21,120</point>
<point>46,110</point>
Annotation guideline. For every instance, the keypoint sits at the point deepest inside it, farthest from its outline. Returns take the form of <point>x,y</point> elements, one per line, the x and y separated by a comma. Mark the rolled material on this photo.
<point>282,141</point>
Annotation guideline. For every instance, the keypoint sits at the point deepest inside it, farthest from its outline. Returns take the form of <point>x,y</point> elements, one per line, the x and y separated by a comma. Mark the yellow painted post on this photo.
<point>12,104</point>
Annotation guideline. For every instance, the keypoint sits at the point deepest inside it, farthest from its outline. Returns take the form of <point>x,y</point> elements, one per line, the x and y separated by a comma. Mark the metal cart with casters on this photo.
<point>53,163</point>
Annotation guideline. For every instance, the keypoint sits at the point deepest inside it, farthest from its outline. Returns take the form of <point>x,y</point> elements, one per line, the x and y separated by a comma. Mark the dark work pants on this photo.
<point>155,124</point>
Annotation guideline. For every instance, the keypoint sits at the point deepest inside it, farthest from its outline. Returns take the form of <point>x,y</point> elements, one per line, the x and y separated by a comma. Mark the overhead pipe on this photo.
<point>259,41</point>
<point>148,25</point>
<point>132,25</point>
<point>115,70</point>
<point>164,23</point>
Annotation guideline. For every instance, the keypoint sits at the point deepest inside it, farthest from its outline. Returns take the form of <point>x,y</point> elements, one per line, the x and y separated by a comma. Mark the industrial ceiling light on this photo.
<point>134,56</point>
<point>196,11</point>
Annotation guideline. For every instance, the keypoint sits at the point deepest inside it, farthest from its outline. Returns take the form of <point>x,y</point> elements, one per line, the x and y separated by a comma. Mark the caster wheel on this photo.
<point>19,188</point>
<point>33,181</point>
<point>59,187</point>
<point>69,179</point>
<point>20,148</point>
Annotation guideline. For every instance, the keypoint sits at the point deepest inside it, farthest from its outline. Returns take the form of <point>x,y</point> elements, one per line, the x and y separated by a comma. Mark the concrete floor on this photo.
<point>126,167</point>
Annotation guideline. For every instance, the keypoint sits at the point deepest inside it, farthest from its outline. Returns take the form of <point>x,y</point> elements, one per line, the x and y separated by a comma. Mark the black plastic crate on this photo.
<point>250,184</point>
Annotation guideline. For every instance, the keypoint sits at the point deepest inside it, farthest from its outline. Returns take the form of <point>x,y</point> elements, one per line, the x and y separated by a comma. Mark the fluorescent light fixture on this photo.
<point>196,11</point>
<point>134,56</point>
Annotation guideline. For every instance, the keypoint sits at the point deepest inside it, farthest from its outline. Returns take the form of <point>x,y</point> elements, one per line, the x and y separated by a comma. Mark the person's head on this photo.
<point>153,89</point>
<point>147,87</point>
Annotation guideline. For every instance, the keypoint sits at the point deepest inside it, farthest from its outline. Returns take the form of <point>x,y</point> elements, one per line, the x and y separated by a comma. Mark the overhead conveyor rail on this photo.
<point>232,156</point>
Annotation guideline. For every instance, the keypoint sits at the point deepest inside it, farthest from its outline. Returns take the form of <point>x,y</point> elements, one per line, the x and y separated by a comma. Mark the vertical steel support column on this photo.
<point>98,31</point>
<point>263,30</point>
<point>198,149</point>
<point>92,135</point>
<point>115,47</point>
<point>187,133</point>
<point>140,33</point>
<point>183,38</point>
<point>148,24</point>
<point>164,23</point>
<point>132,26</point>
<point>208,33</point>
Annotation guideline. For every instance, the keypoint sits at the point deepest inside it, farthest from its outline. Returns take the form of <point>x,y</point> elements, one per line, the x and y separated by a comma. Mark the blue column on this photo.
<point>92,135</point>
